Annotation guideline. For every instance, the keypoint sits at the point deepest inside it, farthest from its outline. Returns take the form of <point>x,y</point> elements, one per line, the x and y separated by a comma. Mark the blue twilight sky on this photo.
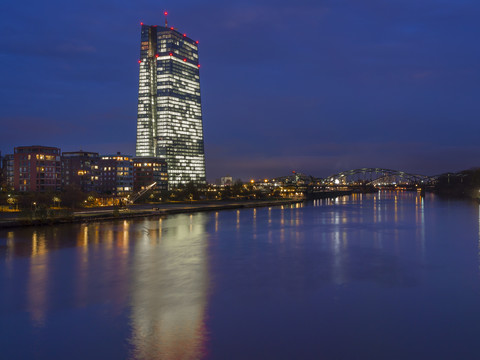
<point>316,86</point>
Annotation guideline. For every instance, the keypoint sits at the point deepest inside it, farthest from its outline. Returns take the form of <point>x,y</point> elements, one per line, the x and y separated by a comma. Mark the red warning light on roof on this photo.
<point>196,42</point>
<point>184,59</point>
<point>156,55</point>
<point>141,23</point>
<point>165,13</point>
<point>170,54</point>
<point>139,61</point>
<point>184,35</point>
<point>198,65</point>
<point>171,28</point>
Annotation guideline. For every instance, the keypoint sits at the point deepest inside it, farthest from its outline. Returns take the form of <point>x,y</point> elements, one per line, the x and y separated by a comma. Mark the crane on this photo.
<point>139,194</point>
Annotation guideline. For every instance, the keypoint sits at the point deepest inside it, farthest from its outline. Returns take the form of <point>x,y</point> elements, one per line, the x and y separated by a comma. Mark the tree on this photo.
<point>191,191</point>
<point>237,188</point>
<point>73,197</point>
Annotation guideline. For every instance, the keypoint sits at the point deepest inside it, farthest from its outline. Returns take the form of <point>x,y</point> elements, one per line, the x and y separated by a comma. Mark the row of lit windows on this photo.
<point>178,114</point>
<point>118,158</point>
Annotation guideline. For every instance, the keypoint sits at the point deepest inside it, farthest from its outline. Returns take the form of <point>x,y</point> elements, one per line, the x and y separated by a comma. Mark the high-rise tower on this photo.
<point>169,121</point>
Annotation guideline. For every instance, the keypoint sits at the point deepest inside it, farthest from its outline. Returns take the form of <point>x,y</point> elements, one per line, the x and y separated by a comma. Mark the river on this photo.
<point>391,275</point>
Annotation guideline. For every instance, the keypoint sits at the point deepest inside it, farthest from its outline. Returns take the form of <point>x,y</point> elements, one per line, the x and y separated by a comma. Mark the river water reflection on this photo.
<point>390,275</point>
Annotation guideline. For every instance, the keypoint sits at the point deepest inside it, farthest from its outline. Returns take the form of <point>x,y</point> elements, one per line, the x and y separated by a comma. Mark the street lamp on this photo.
<point>56,201</point>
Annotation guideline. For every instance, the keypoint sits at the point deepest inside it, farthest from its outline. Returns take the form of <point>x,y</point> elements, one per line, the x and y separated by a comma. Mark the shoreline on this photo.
<point>156,210</point>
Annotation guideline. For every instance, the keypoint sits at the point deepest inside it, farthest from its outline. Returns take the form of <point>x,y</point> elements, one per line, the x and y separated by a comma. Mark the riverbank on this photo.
<point>155,210</point>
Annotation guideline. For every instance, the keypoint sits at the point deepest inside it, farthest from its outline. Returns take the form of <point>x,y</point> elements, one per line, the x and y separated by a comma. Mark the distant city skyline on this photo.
<point>307,86</point>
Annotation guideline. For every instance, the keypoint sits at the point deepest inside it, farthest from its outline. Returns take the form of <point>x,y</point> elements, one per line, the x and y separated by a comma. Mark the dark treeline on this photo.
<point>462,184</point>
<point>236,191</point>
<point>71,197</point>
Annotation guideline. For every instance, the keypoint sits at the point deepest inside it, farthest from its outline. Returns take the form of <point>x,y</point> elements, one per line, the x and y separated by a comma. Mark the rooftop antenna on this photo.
<point>166,22</point>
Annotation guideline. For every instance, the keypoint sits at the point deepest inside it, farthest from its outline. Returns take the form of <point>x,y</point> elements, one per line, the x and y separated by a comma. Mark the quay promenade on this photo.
<point>144,210</point>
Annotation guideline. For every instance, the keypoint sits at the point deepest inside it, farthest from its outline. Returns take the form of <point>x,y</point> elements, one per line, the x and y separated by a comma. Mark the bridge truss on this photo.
<point>376,177</point>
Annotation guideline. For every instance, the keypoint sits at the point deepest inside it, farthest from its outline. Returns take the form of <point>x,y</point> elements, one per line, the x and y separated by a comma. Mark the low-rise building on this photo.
<point>147,170</point>
<point>81,168</point>
<point>226,180</point>
<point>116,174</point>
<point>8,171</point>
<point>3,180</point>
<point>37,168</point>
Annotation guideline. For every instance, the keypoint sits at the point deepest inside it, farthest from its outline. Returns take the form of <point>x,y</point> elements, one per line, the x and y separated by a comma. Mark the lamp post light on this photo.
<point>56,201</point>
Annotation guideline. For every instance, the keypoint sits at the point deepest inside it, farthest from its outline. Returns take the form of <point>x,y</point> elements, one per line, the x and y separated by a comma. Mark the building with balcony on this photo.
<point>116,174</point>
<point>81,169</point>
<point>147,170</point>
<point>37,168</point>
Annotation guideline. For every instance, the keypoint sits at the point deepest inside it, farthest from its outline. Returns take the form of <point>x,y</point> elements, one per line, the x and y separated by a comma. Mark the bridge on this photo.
<point>356,180</point>
<point>376,177</point>
<point>371,177</point>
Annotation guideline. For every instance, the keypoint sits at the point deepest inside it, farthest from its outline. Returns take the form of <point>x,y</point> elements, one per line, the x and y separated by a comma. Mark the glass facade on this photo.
<point>169,122</point>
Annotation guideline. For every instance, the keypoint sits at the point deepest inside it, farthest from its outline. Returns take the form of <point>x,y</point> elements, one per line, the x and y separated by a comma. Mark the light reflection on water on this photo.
<point>38,279</point>
<point>157,271</point>
<point>198,285</point>
<point>169,290</point>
